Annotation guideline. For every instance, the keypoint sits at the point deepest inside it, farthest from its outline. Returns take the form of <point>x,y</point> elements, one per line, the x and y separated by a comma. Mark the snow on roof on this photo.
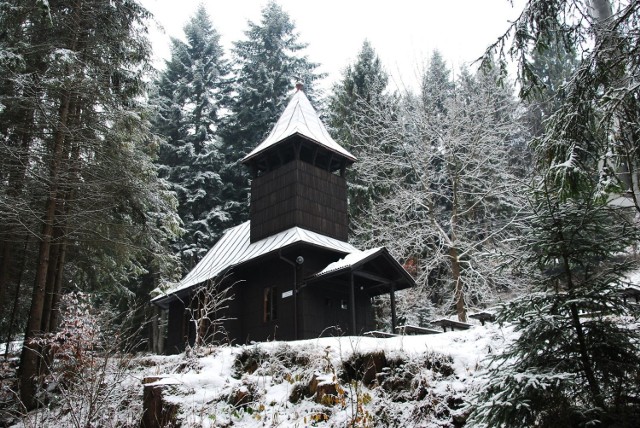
<point>235,247</point>
<point>633,278</point>
<point>624,200</point>
<point>300,118</point>
<point>349,260</point>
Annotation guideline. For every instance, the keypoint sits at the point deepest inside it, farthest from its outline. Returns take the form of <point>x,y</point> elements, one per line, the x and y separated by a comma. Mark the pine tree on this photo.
<point>192,92</point>
<point>599,89</point>
<point>551,69</point>
<point>79,155</point>
<point>18,107</point>
<point>437,86</point>
<point>576,360</point>
<point>363,84</point>
<point>361,90</point>
<point>575,363</point>
<point>267,65</point>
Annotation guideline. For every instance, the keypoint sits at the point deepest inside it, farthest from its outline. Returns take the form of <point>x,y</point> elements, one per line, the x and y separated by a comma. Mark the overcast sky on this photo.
<point>403,32</point>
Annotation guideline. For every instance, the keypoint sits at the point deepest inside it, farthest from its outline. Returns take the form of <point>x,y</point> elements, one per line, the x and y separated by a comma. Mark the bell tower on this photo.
<point>298,176</point>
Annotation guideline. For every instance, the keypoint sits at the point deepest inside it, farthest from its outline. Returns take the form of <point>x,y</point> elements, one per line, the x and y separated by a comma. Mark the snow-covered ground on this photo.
<point>418,381</point>
<point>402,381</point>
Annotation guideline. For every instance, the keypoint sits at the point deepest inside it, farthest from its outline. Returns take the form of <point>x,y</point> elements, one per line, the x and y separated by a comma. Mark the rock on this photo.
<point>298,391</point>
<point>364,367</point>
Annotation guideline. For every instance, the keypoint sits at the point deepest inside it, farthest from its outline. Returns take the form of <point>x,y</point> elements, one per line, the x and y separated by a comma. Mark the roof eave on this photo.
<point>165,299</point>
<point>251,156</point>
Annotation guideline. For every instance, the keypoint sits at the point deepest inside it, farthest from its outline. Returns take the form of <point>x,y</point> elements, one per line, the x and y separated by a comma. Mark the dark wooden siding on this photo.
<point>299,194</point>
<point>319,304</point>
<point>177,333</point>
<point>272,271</point>
<point>325,316</point>
<point>253,280</point>
<point>232,327</point>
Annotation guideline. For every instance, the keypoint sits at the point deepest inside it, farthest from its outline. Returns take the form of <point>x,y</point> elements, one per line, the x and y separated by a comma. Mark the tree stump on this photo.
<point>156,412</point>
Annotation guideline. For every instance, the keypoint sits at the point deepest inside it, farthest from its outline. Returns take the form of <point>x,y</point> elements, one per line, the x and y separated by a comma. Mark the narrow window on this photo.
<point>270,304</point>
<point>344,304</point>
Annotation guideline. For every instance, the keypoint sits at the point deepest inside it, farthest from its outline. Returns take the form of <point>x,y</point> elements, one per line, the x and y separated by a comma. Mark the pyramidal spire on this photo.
<point>300,118</point>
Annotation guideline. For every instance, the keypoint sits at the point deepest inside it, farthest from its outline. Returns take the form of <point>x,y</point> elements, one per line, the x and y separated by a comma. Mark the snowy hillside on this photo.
<point>404,381</point>
<point>418,381</point>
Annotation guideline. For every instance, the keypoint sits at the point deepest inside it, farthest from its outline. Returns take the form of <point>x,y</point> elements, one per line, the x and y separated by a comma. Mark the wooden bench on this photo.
<point>379,334</point>
<point>483,317</point>
<point>630,291</point>
<point>454,325</point>
<point>414,329</point>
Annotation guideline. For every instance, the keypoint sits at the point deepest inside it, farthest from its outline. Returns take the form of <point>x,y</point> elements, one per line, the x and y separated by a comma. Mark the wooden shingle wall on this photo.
<point>299,194</point>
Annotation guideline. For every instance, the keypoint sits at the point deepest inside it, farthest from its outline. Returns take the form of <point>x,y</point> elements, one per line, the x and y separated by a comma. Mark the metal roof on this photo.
<point>300,118</point>
<point>235,247</point>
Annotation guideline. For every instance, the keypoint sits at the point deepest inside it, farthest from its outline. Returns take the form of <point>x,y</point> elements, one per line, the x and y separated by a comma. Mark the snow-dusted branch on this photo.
<point>442,189</point>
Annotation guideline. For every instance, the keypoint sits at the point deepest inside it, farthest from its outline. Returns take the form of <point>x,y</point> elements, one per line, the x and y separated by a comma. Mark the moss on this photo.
<point>439,363</point>
<point>248,361</point>
<point>363,367</point>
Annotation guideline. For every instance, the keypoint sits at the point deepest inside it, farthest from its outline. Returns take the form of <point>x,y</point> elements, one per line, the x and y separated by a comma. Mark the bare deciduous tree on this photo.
<point>208,311</point>
<point>447,193</point>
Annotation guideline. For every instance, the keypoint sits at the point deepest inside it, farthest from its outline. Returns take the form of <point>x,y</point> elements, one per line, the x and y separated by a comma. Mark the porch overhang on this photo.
<point>373,272</point>
<point>377,272</point>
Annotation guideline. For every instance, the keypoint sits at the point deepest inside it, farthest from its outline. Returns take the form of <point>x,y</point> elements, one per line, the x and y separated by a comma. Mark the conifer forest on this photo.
<point>508,187</point>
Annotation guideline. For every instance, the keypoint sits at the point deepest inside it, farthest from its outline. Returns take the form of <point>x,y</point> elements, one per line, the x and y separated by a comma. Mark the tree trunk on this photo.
<point>461,309</point>
<point>57,289</point>
<point>30,357</point>
<point>16,300</point>
<point>5,265</point>
<point>30,350</point>
<point>17,172</point>
<point>56,262</point>
<point>453,252</point>
<point>51,276</point>
<point>585,360</point>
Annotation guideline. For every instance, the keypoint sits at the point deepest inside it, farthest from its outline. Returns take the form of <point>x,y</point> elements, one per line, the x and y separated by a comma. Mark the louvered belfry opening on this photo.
<point>298,176</point>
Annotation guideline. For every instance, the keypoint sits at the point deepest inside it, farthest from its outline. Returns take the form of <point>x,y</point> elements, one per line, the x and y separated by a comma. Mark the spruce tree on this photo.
<point>362,87</point>
<point>361,90</point>
<point>79,157</point>
<point>576,360</point>
<point>267,65</point>
<point>191,93</point>
<point>604,39</point>
<point>437,85</point>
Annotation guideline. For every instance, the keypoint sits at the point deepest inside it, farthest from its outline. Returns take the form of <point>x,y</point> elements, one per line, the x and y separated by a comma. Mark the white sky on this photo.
<point>403,32</point>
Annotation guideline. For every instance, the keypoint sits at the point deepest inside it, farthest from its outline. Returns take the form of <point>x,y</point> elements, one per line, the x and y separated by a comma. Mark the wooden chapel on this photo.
<point>290,269</point>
